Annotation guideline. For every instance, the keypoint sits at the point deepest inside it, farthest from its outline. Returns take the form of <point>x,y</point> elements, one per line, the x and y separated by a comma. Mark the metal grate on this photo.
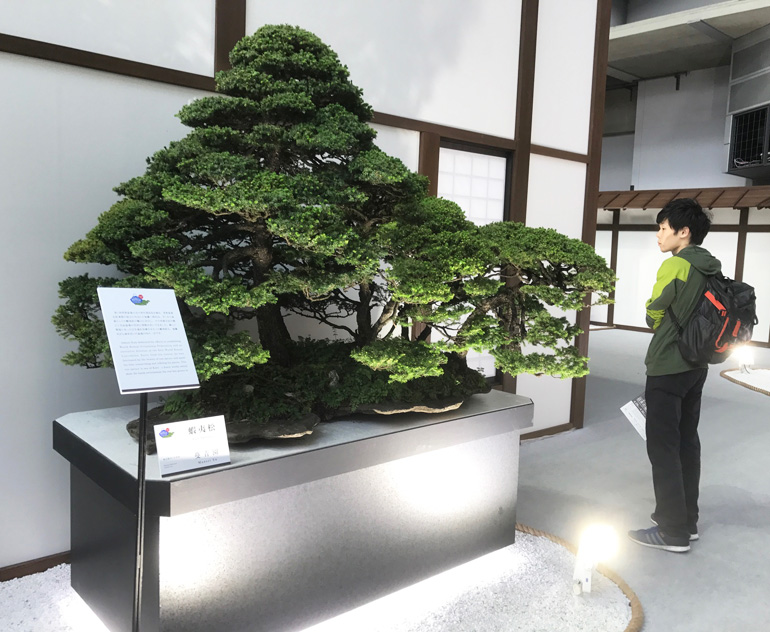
<point>748,147</point>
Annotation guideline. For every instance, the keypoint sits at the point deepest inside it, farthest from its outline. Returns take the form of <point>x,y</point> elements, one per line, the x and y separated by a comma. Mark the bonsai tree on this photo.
<point>279,202</point>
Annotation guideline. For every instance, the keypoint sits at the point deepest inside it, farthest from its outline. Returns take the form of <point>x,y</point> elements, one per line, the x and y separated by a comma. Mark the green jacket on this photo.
<point>681,280</point>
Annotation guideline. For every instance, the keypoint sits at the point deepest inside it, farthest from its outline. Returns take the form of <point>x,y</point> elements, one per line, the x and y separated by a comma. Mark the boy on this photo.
<point>674,387</point>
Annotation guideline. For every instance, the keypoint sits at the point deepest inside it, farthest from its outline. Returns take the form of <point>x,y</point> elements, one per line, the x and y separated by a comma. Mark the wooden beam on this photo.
<point>547,432</point>
<point>561,154</point>
<point>229,28</point>
<point>106,63</point>
<point>614,261</point>
<point>430,146</point>
<point>525,96</point>
<point>33,566</point>
<point>740,255</point>
<point>596,125</point>
<point>444,131</point>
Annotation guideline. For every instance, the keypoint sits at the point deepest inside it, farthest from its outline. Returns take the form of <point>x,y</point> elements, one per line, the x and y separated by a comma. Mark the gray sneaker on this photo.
<point>693,534</point>
<point>656,539</point>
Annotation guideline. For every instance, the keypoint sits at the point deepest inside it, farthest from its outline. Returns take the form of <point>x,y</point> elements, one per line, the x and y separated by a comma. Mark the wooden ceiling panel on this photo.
<point>622,199</point>
<point>661,198</point>
<point>731,197</point>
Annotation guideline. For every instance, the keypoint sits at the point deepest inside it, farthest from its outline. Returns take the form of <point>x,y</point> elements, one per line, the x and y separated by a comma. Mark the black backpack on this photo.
<point>723,318</point>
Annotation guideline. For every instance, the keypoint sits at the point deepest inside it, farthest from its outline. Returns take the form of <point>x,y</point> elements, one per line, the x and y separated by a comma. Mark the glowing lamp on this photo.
<point>745,357</point>
<point>599,543</point>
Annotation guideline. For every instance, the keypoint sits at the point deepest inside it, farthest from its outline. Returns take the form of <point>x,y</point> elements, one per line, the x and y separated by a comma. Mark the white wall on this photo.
<point>603,247</point>
<point>618,140</point>
<point>620,111</point>
<point>755,273</point>
<point>681,138</point>
<point>404,144</point>
<point>69,136</point>
<point>555,200</point>
<point>175,34</point>
<point>638,261</point>
<point>555,196</point>
<point>562,92</point>
<point>617,162</point>
<point>619,14</point>
<point>453,62</point>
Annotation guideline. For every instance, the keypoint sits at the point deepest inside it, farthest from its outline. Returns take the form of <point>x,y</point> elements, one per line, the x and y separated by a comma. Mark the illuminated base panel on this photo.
<point>291,533</point>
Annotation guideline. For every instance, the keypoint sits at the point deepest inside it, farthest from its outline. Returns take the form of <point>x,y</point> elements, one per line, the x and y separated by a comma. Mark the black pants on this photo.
<point>673,412</point>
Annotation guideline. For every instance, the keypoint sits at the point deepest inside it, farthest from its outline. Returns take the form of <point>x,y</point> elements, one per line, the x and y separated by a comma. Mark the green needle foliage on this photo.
<point>279,202</point>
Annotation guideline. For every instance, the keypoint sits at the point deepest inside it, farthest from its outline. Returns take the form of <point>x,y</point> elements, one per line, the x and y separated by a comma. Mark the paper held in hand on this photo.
<point>636,412</point>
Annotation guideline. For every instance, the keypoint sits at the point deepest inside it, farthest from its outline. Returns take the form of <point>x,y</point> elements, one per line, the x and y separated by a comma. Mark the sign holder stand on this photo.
<point>150,353</point>
<point>140,506</point>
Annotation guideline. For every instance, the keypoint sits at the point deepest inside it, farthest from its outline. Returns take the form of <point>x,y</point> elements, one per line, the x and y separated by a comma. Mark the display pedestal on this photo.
<point>291,532</point>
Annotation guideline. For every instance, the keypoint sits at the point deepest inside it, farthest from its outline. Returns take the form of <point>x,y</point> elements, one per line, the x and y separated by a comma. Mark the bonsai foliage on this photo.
<point>279,202</point>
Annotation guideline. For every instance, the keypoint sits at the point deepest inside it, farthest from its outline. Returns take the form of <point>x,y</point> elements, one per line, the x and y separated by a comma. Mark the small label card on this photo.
<point>147,340</point>
<point>189,445</point>
<point>636,412</point>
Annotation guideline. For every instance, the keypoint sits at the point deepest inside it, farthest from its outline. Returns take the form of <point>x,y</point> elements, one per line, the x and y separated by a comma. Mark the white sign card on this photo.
<point>189,445</point>
<point>147,339</point>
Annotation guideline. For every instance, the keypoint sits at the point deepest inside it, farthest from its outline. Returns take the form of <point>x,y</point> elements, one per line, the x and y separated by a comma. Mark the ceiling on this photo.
<point>680,42</point>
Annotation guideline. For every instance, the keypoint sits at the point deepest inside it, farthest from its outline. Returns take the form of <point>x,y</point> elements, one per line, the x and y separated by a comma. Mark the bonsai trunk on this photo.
<point>366,332</point>
<point>273,334</point>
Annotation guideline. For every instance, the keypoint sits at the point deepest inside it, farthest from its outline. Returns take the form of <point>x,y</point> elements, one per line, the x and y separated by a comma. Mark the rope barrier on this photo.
<point>637,613</point>
<point>749,386</point>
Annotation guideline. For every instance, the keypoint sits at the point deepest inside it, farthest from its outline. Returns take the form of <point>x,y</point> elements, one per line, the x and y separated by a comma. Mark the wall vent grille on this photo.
<point>749,145</point>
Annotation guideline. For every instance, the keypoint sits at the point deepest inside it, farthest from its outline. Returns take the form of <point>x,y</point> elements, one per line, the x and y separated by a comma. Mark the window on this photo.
<point>475,182</point>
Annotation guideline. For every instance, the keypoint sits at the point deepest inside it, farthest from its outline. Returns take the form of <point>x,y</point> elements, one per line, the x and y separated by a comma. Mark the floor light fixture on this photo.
<point>599,543</point>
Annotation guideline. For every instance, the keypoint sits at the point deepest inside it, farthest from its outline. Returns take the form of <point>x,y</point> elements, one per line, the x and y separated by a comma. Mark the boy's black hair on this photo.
<point>686,212</point>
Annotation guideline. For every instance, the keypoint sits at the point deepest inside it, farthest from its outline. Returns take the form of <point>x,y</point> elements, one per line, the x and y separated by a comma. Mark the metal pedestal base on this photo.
<point>289,535</point>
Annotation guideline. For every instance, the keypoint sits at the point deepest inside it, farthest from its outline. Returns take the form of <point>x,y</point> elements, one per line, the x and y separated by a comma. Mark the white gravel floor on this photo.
<point>526,587</point>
